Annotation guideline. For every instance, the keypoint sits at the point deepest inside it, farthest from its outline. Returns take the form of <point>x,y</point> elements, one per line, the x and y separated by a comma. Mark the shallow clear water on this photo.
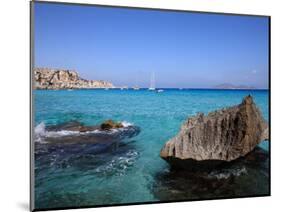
<point>68,176</point>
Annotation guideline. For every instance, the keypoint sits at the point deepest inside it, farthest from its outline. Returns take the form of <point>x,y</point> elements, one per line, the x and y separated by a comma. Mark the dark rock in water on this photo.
<point>75,132</point>
<point>223,135</point>
<point>74,126</point>
<point>66,145</point>
<point>109,124</point>
<point>99,159</point>
<point>246,176</point>
<point>77,126</point>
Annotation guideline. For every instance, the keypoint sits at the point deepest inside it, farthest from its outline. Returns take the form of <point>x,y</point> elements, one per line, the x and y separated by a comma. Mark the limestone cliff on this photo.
<point>46,78</point>
<point>222,135</point>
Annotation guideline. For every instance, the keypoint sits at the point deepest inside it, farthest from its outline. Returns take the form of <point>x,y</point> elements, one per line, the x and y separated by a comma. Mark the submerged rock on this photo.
<point>75,132</point>
<point>246,176</point>
<point>73,126</point>
<point>76,126</point>
<point>222,135</point>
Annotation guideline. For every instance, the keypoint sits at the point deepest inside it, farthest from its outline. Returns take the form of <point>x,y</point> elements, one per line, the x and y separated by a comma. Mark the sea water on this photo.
<point>73,176</point>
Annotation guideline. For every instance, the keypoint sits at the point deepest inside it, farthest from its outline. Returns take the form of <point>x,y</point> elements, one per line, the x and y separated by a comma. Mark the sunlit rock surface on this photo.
<point>46,78</point>
<point>222,135</point>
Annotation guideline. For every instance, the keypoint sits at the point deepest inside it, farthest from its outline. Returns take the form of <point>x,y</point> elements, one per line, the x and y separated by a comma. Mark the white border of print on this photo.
<point>14,88</point>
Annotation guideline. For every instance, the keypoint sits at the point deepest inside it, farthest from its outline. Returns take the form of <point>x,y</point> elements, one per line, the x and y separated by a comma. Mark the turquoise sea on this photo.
<point>73,175</point>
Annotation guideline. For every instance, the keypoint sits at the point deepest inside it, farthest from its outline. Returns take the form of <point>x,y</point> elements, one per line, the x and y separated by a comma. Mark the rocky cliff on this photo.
<point>222,135</point>
<point>46,78</point>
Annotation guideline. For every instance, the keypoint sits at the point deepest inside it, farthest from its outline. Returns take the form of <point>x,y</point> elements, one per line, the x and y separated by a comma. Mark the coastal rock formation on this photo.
<point>222,135</point>
<point>46,78</point>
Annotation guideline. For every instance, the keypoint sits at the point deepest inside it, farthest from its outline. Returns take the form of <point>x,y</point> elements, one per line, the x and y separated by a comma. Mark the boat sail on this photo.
<point>152,82</point>
<point>136,87</point>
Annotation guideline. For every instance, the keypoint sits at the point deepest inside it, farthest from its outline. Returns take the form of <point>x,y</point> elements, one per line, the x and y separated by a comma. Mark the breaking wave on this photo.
<point>225,174</point>
<point>119,164</point>
<point>126,124</point>
<point>41,132</point>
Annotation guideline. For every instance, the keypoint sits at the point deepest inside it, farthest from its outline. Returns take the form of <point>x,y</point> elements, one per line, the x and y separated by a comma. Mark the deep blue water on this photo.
<point>65,177</point>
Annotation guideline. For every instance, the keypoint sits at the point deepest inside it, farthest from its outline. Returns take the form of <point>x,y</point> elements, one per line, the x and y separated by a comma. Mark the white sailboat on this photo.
<point>152,82</point>
<point>160,90</point>
<point>136,87</point>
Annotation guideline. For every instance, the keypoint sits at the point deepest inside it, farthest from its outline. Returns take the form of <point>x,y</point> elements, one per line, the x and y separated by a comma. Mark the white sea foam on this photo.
<point>119,165</point>
<point>126,124</point>
<point>228,173</point>
<point>41,132</point>
<point>40,129</point>
<point>61,133</point>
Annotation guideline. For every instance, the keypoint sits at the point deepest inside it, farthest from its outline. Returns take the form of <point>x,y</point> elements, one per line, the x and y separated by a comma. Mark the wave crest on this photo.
<point>225,174</point>
<point>119,165</point>
<point>41,131</point>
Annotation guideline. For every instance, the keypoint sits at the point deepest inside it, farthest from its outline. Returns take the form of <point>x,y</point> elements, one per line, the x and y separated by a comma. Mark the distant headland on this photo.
<point>231,86</point>
<point>59,79</point>
<point>54,79</point>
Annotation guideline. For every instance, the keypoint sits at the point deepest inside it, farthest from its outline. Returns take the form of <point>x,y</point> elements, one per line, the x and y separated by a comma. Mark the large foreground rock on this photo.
<point>222,135</point>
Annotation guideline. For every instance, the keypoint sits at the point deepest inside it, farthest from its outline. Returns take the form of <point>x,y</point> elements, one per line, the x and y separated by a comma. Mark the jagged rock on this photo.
<point>222,135</point>
<point>109,124</point>
<point>46,78</point>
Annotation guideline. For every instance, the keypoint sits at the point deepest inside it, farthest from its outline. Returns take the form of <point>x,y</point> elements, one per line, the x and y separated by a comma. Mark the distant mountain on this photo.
<point>231,86</point>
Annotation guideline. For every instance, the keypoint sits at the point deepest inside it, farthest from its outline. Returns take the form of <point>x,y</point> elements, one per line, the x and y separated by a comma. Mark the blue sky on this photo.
<point>125,46</point>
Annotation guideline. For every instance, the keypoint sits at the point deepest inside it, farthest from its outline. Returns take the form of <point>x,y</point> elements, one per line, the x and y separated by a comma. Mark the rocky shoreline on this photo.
<point>221,136</point>
<point>55,79</point>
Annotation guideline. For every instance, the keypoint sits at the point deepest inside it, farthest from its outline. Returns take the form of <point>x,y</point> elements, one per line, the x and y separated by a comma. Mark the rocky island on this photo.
<point>46,78</point>
<point>221,136</point>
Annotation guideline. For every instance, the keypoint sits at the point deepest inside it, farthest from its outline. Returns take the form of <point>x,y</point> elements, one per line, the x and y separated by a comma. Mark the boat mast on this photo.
<point>152,81</point>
